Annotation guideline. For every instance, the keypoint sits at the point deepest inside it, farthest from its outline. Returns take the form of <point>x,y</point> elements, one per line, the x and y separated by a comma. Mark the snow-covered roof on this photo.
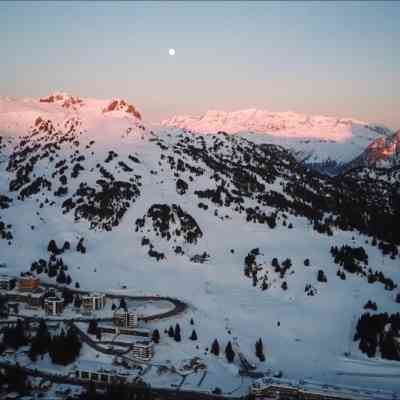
<point>100,367</point>
<point>339,392</point>
<point>93,295</point>
<point>143,343</point>
<point>53,300</point>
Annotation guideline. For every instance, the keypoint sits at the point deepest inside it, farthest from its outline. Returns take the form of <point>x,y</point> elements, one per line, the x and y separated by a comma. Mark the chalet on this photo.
<point>32,298</point>
<point>273,388</point>
<point>53,305</point>
<point>119,330</point>
<point>94,301</point>
<point>100,372</point>
<point>7,282</point>
<point>125,319</point>
<point>28,283</point>
<point>142,350</point>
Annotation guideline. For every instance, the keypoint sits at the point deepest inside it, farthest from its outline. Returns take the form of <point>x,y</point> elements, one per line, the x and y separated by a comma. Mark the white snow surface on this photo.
<point>315,138</point>
<point>314,332</point>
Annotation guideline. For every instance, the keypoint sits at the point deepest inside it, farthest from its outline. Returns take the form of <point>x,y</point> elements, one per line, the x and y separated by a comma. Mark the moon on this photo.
<point>171,52</point>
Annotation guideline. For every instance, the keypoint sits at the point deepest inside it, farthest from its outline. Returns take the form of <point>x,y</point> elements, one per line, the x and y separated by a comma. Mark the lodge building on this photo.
<point>32,298</point>
<point>100,373</point>
<point>142,350</point>
<point>283,389</point>
<point>6,282</point>
<point>53,305</point>
<point>125,319</point>
<point>28,283</point>
<point>93,302</point>
<point>118,330</point>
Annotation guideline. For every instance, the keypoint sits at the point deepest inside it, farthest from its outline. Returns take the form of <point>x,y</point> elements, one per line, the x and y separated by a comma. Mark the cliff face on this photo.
<point>384,150</point>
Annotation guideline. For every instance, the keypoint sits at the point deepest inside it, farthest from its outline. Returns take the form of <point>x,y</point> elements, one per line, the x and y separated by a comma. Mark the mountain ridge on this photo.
<point>314,139</point>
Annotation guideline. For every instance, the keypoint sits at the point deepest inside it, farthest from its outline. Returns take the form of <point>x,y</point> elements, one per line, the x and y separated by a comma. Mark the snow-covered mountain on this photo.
<point>201,217</point>
<point>383,152</point>
<point>17,116</point>
<point>313,139</point>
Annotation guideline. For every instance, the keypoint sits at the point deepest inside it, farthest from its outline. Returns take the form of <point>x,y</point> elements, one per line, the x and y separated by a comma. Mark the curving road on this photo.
<point>179,305</point>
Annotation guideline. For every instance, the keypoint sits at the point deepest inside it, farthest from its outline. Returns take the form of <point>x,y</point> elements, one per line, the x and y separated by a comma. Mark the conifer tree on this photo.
<point>41,342</point>
<point>77,301</point>
<point>61,277</point>
<point>275,262</point>
<point>65,348</point>
<point>16,379</point>
<point>229,353</point>
<point>388,347</point>
<point>193,336</point>
<point>215,347</point>
<point>260,350</point>
<point>177,333</point>
<point>67,296</point>
<point>52,247</point>
<point>21,338</point>
<point>92,328</point>
<point>122,303</point>
<point>156,336</point>
<point>171,332</point>
<point>287,263</point>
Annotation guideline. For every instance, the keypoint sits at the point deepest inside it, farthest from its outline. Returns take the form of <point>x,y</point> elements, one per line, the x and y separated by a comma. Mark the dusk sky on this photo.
<point>338,58</point>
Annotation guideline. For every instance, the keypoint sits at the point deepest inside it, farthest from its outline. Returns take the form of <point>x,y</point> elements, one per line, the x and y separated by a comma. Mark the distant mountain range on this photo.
<point>324,142</point>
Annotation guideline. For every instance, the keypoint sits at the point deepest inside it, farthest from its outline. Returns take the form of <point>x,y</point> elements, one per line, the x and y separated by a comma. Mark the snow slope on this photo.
<point>315,139</point>
<point>126,169</point>
<point>383,152</point>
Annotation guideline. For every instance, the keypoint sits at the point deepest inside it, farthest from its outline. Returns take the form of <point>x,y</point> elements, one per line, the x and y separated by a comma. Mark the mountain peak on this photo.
<point>63,99</point>
<point>122,105</point>
<point>288,123</point>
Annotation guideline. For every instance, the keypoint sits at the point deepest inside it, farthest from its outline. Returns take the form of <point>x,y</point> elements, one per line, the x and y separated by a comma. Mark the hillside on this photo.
<point>201,217</point>
<point>325,142</point>
<point>382,153</point>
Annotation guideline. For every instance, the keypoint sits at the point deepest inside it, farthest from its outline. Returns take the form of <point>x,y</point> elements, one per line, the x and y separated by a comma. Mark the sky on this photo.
<point>333,58</point>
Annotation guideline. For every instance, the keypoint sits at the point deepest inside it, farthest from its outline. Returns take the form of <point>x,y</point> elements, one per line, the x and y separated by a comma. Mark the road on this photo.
<point>156,393</point>
<point>160,393</point>
<point>179,305</point>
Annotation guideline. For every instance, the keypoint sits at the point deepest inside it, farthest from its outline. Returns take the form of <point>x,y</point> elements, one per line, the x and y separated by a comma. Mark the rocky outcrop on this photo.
<point>122,105</point>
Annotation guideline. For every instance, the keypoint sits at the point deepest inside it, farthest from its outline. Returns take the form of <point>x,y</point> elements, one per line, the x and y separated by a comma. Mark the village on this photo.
<point>109,324</point>
<point>120,346</point>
